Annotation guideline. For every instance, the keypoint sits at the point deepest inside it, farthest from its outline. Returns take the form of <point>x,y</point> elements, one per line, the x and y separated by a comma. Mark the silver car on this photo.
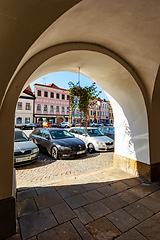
<point>94,140</point>
<point>25,151</point>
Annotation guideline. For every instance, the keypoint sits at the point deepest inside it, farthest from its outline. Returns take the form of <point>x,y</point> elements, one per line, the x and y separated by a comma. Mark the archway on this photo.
<point>102,66</point>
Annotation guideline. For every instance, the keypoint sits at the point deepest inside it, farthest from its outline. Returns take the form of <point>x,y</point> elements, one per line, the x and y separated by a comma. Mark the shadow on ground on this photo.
<point>108,205</point>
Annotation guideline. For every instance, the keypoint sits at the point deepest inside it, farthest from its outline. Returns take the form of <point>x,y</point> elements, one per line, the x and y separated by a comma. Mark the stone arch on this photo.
<point>128,96</point>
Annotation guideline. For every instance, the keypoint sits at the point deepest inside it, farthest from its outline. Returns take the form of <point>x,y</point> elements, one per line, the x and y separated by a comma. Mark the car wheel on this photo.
<point>55,153</point>
<point>91,148</point>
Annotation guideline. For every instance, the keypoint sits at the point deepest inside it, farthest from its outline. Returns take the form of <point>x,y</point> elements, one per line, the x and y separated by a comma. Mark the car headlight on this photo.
<point>101,144</point>
<point>35,150</point>
<point>66,148</point>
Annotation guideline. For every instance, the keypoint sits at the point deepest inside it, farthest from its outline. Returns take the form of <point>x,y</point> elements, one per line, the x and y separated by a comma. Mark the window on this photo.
<point>62,109</point>
<point>63,96</point>
<point>67,109</point>
<point>51,108</point>
<point>39,92</point>
<point>91,112</point>
<point>45,94</point>
<point>19,106</point>
<point>67,97</point>
<point>98,113</point>
<point>38,107</point>
<point>52,95</point>
<point>57,108</point>
<point>28,106</point>
<point>46,134</point>
<point>57,95</point>
<point>45,108</point>
<point>27,120</point>
<point>19,120</point>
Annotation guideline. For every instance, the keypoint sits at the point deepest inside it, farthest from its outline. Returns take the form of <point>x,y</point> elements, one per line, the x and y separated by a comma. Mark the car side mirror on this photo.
<point>47,137</point>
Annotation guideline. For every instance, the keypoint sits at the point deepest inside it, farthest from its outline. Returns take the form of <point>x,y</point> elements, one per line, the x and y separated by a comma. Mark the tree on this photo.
<point>84,96</point>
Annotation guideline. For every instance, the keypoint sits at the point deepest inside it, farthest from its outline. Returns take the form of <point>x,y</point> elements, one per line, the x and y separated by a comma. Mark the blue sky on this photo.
<point>61,79</point>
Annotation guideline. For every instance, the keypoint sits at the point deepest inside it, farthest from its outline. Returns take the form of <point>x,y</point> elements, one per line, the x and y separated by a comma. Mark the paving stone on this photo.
<point>131,235</point>
<point>122,220</point>
<point>97,209</point>
<point>138,211</point>
<point>76,189</point>
<point>62,212</point>
<point>42,190</point>
<point>92,186</point>
<point>103,229</point>
<point>150,229</point>
<point>26,206</point>
<point>83,232</point>
<point>128,196</point>
<point>150,203</point>
<point>32,238</point>
<point>28,193</point>
<point>37,222</point>
<point>156,195</point>
<point>48,199</point>
<point>64,231</point>
<point>131,182</point>
<point>76,201</point>
<point>64,193</point>
<point>93,196</point>
<point>156,217</point>
<point>83,215</point>
<point>114,202</point>
<point>120,186</point>
<point>142,190</point>
<point>107,191</point>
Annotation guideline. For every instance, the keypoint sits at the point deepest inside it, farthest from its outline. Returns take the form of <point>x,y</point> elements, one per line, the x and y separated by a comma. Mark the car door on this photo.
<point>46,140</point>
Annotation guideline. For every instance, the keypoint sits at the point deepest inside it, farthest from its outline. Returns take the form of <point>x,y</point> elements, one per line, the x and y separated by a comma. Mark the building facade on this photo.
<point>111,117</point>
<point>51,104</point>
<point>25,108</point>
<point>104,109</point>
<point>94,112</point>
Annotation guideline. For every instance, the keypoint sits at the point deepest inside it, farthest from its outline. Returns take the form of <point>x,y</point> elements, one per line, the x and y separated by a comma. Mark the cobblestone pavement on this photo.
<point>46,170</point>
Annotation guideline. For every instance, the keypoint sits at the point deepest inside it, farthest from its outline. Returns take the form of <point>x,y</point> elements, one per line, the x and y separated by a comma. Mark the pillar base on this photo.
<point>139,169</point>
<point>7,217</point>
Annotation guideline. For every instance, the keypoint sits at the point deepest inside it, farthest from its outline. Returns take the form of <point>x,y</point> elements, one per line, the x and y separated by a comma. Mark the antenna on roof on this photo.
<point>44,80</point>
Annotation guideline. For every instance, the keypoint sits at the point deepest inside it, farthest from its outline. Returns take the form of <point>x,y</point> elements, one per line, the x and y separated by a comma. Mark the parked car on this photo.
<point>25,151</point>
<point>30,126</point>
<point>100,124</point>
<point>107,131</point>
<point>93,124</point>
<point>55,125</point>
<point>94,140</point>
<point>64,125</point>
<point>59,143</point>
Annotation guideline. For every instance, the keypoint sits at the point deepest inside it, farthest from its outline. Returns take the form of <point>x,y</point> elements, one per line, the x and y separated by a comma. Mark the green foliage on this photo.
<point>84,94</point>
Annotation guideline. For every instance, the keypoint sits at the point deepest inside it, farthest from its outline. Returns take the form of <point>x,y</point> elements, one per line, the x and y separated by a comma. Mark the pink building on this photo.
<point>51,104</point>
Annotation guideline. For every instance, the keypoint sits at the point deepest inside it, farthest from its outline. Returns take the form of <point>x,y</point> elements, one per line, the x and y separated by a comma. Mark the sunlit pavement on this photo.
<point>105,204</point>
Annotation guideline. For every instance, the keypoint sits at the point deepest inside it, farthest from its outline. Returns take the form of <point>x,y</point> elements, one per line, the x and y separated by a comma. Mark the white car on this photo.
<point>94,140</point>
<point>64,124</point>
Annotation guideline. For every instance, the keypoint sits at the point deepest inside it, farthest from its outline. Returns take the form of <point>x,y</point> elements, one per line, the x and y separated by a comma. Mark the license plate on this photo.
<point>22,159</point>
<point>80,152</point>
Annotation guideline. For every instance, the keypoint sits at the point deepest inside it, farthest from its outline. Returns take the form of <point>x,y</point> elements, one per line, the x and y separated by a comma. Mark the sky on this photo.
<point>61,79</point>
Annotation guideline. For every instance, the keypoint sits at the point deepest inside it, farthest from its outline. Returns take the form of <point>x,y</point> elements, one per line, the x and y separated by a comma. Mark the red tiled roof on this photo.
<point>52,85</point>
<point>28,89</point>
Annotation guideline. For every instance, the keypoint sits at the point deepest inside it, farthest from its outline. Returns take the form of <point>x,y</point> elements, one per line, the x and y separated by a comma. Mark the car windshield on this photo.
<point>20,136</point>
<point>94,132</point>
<point>59,134</point>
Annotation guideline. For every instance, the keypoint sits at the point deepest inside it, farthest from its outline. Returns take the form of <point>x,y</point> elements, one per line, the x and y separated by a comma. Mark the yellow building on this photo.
<point>94,112</point>
<point>25,108</point>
